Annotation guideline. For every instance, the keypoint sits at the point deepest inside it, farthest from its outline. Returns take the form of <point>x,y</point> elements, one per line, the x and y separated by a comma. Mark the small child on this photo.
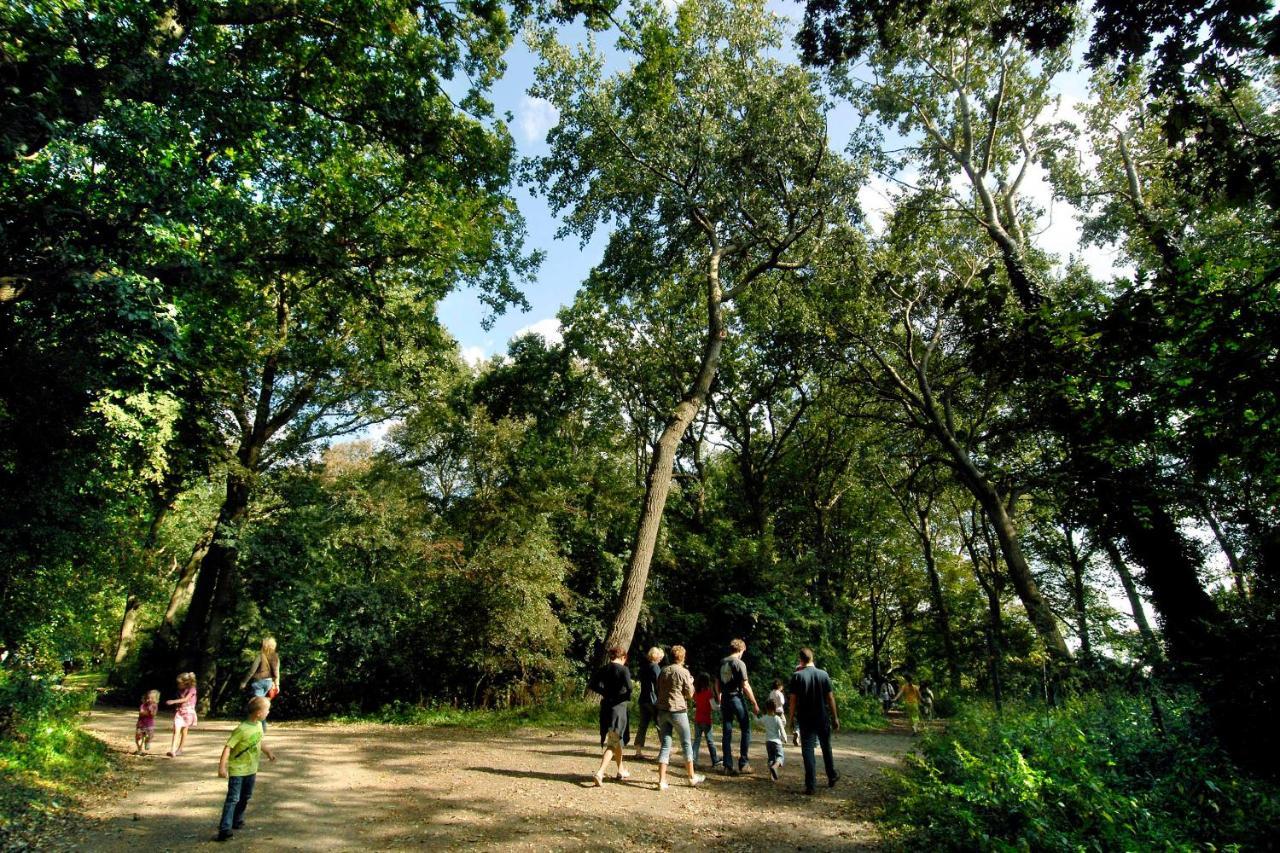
<point>146,721</point>
<point>185,717</point>
<point>239,765</point>
<point>703,705</point>
<point>779,700</point>
<point>775,735</point>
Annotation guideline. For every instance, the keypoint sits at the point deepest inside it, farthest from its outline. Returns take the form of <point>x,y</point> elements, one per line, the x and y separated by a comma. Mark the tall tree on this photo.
<point>711,157</point>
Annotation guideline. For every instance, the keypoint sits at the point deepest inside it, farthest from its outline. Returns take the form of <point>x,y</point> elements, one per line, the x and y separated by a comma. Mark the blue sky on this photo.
<point>567,263</point>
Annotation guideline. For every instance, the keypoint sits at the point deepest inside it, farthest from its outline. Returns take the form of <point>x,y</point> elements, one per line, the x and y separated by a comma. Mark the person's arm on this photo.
<point>222,762</point>
<point>626,684</point>
<point>746,688</point>
<point>271,756</point>
<point>835,715</point>
<point>279,672</point>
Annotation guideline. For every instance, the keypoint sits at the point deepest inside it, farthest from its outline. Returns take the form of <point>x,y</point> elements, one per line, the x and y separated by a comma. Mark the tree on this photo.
<point>711,157</point>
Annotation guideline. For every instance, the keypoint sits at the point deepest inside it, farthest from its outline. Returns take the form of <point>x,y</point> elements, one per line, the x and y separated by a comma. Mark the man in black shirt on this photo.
<point>813,707</point>
<point>733,691</point>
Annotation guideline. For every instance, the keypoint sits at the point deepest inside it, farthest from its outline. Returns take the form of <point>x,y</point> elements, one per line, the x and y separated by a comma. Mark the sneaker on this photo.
<point>733,771</point>
<point>773,770</point>
<point>697,779</point>
<point>662,786</point>
<point>599,777</point>
<point>624,774</point>
<point>831,780</point>
<point>225,835</point>
<point>746,770</point>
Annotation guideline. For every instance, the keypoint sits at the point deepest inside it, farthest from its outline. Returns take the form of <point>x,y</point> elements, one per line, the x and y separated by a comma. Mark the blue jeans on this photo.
<point>669,721</point>
<point>735,708</point>
<point>698,731</point>
<point>809,737</point>
<point>239,790</point>
<point>260,688</point>
<point>776,754</point>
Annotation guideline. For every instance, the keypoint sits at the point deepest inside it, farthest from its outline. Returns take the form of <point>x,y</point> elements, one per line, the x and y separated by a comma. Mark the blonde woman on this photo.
<point>649,672</point>
<point>265,672</point>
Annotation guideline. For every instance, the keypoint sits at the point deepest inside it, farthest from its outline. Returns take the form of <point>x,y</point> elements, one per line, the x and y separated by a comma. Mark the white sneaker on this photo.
<point>697,779</point>
<point>624,774</point>
<point>599,777</point>
<point>662,786</point>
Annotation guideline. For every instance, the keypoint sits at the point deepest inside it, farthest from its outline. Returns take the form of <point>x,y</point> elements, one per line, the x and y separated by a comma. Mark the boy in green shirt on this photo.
<point>239,765</point>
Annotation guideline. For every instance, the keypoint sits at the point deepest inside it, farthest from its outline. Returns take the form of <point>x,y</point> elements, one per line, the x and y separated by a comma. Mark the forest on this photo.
<point>843,390</point>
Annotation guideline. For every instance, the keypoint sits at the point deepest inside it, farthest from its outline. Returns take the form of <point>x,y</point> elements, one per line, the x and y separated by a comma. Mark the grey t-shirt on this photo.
<point>733,674</point>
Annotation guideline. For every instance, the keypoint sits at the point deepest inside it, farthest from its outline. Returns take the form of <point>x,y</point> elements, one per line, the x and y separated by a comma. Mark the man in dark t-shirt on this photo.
<point>813,707</point>
<point>733,691</point>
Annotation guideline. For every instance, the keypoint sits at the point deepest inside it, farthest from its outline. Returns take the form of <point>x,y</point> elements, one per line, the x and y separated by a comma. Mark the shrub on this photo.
<point>1095,774</point>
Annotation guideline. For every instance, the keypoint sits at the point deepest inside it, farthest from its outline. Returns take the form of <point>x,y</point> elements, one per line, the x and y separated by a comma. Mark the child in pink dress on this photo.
<point>185,717</point>
<point>146,721</point>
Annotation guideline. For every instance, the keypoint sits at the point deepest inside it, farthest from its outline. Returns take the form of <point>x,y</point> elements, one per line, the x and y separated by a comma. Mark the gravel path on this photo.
<point>378,787</point>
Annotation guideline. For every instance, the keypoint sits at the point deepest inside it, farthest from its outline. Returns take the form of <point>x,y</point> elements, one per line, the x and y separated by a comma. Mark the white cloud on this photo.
<point>549,329</point>
<point>473,355</point>
<point>535,117</point>
<point>876,198</point>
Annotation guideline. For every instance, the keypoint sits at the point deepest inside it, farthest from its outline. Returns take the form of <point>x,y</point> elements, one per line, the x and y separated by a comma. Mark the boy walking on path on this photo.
<point>733,691</point>
<point>813,707</point>
<point>239,765</point>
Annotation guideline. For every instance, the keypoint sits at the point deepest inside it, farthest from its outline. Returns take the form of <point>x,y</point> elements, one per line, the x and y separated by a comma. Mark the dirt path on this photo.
<point>362,787</point>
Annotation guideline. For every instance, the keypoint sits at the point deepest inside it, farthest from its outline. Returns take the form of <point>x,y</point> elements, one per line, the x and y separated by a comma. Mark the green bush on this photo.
<point>1095,774</point>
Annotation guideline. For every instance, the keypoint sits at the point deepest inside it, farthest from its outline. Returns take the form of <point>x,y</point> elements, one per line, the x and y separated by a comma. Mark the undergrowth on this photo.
<point>1098,773</point>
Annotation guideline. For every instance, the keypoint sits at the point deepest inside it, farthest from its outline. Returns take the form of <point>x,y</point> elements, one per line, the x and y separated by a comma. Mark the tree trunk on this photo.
<point>658,479</point>
<point>940,614</point>
<point>1131,592</point>
<point>1237,571</point>
<point>163,503</point>
<point>128,627</point>
<point>185,585</point>
<point>1078,593</point>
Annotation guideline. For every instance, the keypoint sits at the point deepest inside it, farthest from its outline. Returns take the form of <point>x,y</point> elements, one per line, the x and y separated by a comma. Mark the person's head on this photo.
<point>737,646</point>
<point>655,654</point>
<point>268,645</point>
<point>777,684</point>
<point>187,679</point>
<point>258,708</point>
<point>806,656</point>
<point>771,705</point>
<point>924,685</point>
<point>152,696</point>
<point>907,679</point>
<point>617,654</point>
<point>702,681</point>
<point>677,654</point>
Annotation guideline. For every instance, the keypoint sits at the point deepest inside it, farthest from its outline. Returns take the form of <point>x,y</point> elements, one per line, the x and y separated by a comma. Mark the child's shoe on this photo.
<point>599,777</point>
<point>697,779</point>
<point>624,774</point>
<point>662,786</point>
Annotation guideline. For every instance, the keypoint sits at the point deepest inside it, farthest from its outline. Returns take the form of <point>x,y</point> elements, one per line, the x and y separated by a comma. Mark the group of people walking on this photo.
<point>667,694</point>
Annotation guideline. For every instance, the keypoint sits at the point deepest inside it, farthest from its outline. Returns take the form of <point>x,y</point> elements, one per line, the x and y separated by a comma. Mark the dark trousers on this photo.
<point>809,737</point>
<point>239,790</point>
<point>648,714</point>
<point>734,708</point>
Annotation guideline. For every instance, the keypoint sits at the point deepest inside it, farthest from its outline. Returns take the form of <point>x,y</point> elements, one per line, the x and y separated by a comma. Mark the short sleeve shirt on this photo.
<point>649,673</point>
<point>811,686</point>
<point>246,749</point>
<point>733,674</point>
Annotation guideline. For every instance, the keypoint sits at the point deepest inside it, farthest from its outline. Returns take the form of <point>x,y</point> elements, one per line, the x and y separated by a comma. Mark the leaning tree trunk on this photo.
<point>1079,595</point>
<point>184,587</point>
<point>940,614</point>
<point>1131,592</point>
<point>133,603</point>
<point>658,479</point>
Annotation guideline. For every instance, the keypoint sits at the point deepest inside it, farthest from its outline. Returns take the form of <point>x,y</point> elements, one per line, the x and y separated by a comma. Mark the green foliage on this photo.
<point>1094,774</point>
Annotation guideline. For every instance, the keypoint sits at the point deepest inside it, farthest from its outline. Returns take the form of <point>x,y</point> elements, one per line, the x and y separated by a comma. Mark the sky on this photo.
<point>567,262</point>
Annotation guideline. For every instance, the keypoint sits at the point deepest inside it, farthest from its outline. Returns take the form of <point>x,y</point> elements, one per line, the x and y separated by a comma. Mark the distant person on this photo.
<point>649,672</point>
<point>238,764</point>
<point>733,690</point>
<point>263,678</point>
<point>675,689</point>
<point>779,701</point>
<point>813,705</point>
<point>926,700</point>
<point>146,726</point>
<point>185,716</point>
<point>910,696</point>
<point>775,736</point>
<point>886,696</point>
<point>613,683</point>
<point>704,705</point>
